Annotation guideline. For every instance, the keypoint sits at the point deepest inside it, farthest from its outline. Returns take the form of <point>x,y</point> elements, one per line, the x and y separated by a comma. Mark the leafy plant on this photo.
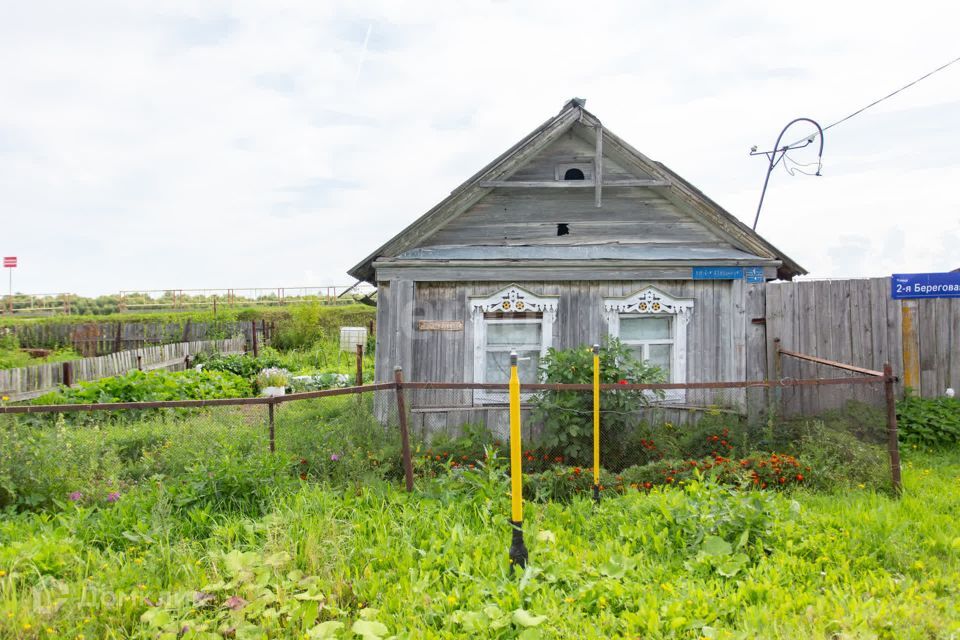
<point>931,422</point>
<point>567,415</point>
<point>272,377</point>
<point>147,386</point>
<point>241,364</point>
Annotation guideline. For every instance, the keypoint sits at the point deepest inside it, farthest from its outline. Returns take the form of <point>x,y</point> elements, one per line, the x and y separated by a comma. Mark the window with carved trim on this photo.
<point>512,319</point>
<point>653,324</point>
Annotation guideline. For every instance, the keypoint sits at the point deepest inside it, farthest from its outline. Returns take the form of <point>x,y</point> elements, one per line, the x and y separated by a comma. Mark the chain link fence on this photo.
<point>64,453</point>
<point>740,432</point>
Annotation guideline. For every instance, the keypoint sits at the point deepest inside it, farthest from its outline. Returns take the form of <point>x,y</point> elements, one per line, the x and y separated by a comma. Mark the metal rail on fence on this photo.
<point>398,385</point>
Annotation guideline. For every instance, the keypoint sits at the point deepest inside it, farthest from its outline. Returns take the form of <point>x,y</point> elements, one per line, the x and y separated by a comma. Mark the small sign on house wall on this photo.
<point>440,325</point>
<point>750,274</point>
<point>905,286</point>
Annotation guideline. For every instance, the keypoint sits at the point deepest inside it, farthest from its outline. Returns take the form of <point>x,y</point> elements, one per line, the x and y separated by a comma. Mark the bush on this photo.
<point>757,471</point>
<point>567,415</point>
<point>241,364</point>
<point>338,441</point>
<point>153,386</point>
<point>724,531</point>
<point>235,481</point>
<point>931,422</point>
<point>40,468</point>
<point>307,324</point>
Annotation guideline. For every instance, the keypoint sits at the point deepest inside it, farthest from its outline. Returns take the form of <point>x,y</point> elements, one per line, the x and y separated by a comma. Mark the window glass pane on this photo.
<point>660,355</point>
<point>645,328</point>
<point>511,334</point>
<point>498,366</point>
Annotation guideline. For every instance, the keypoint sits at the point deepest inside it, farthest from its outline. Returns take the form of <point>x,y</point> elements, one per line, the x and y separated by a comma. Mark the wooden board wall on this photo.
<point>857,321</point>
<point>531,216</point>
<point>723,341</point>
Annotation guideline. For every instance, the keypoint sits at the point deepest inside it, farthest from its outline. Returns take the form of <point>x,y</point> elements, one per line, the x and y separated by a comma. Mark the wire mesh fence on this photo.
<point>649,435</point>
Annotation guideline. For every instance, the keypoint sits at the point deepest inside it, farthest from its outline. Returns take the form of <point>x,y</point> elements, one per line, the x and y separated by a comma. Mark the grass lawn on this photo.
<point>310,561</point>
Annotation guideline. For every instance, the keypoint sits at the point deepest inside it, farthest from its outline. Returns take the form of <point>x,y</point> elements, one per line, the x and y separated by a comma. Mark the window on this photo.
<point>650,339</point>
<point>574,171</point>
<point>654,325</point>
<point>510,320</point>
<point>513,332</point>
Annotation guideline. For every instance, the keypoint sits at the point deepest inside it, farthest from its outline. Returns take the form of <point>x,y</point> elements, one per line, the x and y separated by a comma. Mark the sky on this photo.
<point>162,145</point>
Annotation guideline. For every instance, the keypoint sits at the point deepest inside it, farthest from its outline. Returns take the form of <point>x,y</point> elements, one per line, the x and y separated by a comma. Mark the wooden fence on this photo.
<point>857,322</point>
<point>101,338</point>
<point>30,382</point>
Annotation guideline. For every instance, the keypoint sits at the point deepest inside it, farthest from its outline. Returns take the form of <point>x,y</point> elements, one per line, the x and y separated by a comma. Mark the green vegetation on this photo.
<point>72,305</point>
<point>329,317</point>
<point>566,415</point>
<point>152,386</point>
<point>241,364</point>
<point>11,356</point>
<point>930,422</point>
<point>217,542</point>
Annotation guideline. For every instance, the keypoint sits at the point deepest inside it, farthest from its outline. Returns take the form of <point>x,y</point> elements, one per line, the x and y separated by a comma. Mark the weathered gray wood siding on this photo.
<point>718,336</point>
<point>857,321</point>
<point>573,146</point>
<point>531,216</point>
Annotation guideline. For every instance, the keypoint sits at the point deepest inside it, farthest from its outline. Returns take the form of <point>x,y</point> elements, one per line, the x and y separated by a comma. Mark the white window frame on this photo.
<point>510,300</point>
<point>651,302</point>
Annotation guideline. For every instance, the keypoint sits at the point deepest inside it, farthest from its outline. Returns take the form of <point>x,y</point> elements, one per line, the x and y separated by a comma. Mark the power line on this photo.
<point>886,97</point>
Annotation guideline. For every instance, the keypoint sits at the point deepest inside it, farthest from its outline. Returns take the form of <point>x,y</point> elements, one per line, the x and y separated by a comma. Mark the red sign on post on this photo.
<point>10,261</point>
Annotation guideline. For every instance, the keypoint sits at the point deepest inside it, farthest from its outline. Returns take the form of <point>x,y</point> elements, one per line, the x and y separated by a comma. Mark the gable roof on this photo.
<point>668,184</point>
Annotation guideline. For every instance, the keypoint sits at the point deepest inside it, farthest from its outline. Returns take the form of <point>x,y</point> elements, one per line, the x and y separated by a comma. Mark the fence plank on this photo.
<point>30,382</point>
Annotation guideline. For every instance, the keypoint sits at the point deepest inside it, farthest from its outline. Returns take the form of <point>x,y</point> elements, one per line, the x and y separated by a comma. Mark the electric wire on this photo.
<point>809,139</point>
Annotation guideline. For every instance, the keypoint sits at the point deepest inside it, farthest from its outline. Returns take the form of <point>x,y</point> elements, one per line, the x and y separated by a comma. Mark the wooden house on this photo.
<point>568,237</point>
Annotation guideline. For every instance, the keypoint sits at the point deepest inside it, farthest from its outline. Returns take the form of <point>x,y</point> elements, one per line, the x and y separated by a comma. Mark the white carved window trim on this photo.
<point>511,299</point>
<point>652,302</point>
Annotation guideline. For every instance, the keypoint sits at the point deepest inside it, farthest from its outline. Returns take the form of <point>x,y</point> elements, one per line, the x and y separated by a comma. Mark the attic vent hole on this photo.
<point>573,174</point>
<point>563,229</point>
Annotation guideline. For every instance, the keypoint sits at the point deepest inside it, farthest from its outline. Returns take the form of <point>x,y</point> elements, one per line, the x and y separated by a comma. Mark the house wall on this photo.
<point>723,344</point>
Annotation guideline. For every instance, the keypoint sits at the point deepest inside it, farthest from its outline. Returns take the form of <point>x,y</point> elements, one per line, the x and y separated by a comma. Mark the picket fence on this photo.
<point>29,382</point>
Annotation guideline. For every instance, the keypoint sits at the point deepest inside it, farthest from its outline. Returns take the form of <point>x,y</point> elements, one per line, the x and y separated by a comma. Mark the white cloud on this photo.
<point>236,144</point>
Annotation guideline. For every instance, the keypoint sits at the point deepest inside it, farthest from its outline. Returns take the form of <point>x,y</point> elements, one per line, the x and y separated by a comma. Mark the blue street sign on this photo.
<point>718,273</point>
<point>925,285</point>
<point>750,274</point>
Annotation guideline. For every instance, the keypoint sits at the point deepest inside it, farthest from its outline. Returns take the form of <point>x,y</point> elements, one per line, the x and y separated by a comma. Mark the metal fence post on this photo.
<point>253,337</point>
<point>273,442</point>
<point>596,423</point>
<point>518,550</point>
<point>359,380</point>
<point>893,444</point>
<point>404,434</point>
